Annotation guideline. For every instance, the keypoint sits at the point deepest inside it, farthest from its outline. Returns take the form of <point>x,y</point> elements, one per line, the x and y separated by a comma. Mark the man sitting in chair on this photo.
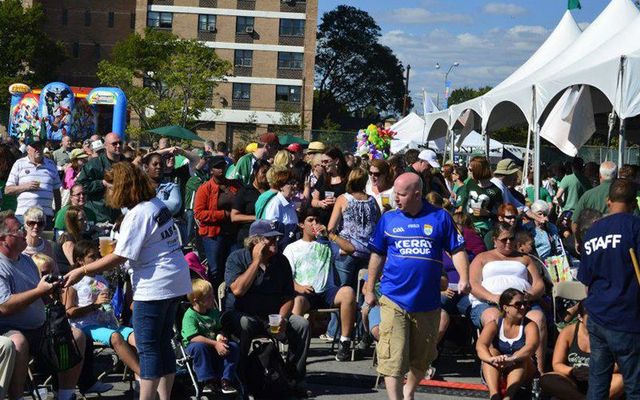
<point>311,260</point>
<point>259,283</point>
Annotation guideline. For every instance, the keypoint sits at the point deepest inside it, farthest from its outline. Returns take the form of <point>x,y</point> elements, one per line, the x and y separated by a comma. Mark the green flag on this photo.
<point>573,4</point>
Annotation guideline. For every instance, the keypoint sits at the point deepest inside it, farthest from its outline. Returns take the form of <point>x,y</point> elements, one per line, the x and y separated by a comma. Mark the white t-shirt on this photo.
<point>310,263</point>
<point>24,171</point>
<point>88,290</point>
<point>149,240</point>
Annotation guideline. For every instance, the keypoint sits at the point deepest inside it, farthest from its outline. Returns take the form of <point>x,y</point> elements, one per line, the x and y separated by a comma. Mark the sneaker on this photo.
<point>365,343</point>
<point>211,387</point>
<point>344,351</point>
<point>326,338</point>
<point>431,372</point>
<point>98,388</point>
<point>226,387</point>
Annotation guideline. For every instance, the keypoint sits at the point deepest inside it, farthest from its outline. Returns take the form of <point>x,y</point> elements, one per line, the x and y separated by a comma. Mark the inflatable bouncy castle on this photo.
<point>59,110</point>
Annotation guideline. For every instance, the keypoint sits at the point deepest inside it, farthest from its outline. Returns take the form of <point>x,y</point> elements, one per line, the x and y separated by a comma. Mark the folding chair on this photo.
<point>571,290</point>
<point>221,290</point>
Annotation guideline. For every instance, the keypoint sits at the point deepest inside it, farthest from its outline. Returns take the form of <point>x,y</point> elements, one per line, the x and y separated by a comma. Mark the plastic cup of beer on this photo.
<point>107,245</point>
<point>274,323</point>
<point>385,200</point>
<point>37,184</point>
<point>476,211</point>
<point>329,195</point>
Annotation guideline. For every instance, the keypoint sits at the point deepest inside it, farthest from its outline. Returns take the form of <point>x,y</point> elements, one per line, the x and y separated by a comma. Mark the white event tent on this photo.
<point>605,56</point>
<point>410,134</point>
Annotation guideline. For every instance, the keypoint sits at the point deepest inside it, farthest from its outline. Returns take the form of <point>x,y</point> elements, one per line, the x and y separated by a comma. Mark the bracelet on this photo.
<point>84,270</point>
<point>333,236</point>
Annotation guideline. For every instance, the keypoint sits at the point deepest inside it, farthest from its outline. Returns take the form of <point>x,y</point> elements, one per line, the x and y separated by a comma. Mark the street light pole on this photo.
<point>405,102</point>
<point>446,77</point>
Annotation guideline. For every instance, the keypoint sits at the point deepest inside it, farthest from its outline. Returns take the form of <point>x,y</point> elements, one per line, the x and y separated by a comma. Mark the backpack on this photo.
<point>265,370</point>
<point>58,349</point>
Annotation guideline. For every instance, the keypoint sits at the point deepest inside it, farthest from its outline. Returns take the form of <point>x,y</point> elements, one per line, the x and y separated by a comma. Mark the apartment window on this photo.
<point>291,27</point>
<point>241,91</point>
<point>132,22</point>
<point>289,60</point>
<point>206,23</point>
<point>87,18</point>
<point>243,58</point>
<point>160,19</point>
<point>288,93</point>
<point>96,51</point>
<point>242,23</point>
<point>75,49</point>
<point>65,17</point>
<point>111,19</point>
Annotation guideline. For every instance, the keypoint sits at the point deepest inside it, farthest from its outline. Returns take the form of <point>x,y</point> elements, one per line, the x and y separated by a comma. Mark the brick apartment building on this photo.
<point>270,43</point>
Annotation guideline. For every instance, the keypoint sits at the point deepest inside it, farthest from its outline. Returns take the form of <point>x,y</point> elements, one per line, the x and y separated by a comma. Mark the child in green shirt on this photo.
<point>214,357</point>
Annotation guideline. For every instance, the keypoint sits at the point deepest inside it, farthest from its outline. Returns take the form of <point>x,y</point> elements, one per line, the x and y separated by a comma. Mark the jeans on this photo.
<point>347,268</point>
<point>609,347</point>
<point>153,324</point>
<point>208,364</point>
<point>217,249</point>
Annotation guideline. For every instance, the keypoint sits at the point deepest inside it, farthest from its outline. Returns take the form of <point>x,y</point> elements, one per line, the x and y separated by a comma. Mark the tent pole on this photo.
<point>536,149</point>
<point>452,146</point>
<point>622,143</point>
<point>486,144</point>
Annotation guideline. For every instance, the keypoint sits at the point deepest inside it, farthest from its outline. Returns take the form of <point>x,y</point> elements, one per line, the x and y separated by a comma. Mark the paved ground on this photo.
<point>329,379</point>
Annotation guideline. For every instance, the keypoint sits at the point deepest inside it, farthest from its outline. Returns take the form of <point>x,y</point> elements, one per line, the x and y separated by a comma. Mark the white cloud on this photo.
<point>486,58</point>
<point>504,9</point>
<point>422,16</point>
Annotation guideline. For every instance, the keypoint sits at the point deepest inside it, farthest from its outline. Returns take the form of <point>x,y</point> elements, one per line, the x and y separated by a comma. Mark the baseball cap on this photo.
<point>316,147</point>
<point>97,145</point>
<point>506,167</point>
<point>77,154</point>
<point>251,147</point>
<point>294,147</point>
<point>430,157</point>
<point>33,141</point>
<point>217,162</point>
<point>264,228</point>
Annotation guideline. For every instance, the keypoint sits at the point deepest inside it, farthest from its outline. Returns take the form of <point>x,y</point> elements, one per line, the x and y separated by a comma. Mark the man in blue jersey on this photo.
<point>613,300</point>
<point>409,242</point>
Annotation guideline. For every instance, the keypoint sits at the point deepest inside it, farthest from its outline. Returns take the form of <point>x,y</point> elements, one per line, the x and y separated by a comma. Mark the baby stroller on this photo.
<point>184,362</point>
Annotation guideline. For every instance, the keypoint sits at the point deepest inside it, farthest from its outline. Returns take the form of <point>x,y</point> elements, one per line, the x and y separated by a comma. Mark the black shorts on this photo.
<point>325,299</point>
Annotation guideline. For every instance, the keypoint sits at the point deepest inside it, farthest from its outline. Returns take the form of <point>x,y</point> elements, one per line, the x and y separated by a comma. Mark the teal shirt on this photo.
<point>574,187</point>
<point>595,198</point>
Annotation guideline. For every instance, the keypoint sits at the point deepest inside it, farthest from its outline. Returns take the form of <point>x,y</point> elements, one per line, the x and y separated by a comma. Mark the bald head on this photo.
<point>408,191</point>
<point>113,146</point>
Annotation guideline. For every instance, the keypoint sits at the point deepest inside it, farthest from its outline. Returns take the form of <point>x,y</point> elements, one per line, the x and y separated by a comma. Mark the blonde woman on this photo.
<point>283,159</point>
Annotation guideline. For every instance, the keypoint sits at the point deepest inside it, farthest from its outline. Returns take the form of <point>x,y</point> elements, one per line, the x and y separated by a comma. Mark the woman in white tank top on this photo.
<point>497,270</point>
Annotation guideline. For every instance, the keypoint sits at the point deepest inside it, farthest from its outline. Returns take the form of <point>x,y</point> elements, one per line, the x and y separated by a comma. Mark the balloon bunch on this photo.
<point>374,141</point>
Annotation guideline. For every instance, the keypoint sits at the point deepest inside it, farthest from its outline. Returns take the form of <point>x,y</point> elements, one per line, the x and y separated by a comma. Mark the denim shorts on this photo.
<point>476,312</point>
<point>374,317</point>
<point>153,323</point>
<point>102,334</point>
<point>325,299</point>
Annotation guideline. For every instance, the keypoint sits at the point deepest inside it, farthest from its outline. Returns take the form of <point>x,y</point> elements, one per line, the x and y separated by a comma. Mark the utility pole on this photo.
<point>405,103</point>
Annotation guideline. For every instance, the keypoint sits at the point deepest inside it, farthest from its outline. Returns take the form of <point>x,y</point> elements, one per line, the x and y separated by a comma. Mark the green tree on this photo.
<point>466,93</point>
<point>27,54</point>
<point>354,72</point>
<point>167,80</point>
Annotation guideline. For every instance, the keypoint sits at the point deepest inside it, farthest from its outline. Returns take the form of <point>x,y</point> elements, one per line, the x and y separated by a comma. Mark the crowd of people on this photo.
<point>124,236</point>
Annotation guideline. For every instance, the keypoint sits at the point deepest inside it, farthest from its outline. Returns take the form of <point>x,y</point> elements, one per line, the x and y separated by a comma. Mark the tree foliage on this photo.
<point>466,93</point>
<point>354,72</point>
<point>27,54</point>
<point>167,80</point>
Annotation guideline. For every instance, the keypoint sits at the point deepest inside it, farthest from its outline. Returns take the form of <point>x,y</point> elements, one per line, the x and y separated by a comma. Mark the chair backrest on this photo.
<point>572,290</point>
<point>221,289</point>
<point>361,275</point>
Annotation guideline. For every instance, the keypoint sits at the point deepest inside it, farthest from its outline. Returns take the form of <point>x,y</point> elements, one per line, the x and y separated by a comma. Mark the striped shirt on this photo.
<point>23,171</point>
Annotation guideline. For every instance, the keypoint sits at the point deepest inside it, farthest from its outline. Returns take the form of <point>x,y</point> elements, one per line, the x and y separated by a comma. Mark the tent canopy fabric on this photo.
<point>176,131</point>
<point>410,128</point>
<point>288,139</point>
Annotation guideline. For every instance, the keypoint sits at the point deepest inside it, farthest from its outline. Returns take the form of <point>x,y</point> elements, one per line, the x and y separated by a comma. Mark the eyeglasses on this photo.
<point>326,161</point>
<point>509,217</point>
<point>31,224</point>
<point>520,304</point>
<point>375,173</point>
<point>20,233</point>
<point>507,239</point>
<point>114,144</point>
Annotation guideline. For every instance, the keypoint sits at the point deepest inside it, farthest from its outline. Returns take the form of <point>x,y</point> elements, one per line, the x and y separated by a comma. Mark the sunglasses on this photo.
<point>115,144</point>
<point>31,224</point>
<point>520,304</point>
<point>375,173</point>
<point>19,233</point>
<point>509,216</point>
<point>507,239</point>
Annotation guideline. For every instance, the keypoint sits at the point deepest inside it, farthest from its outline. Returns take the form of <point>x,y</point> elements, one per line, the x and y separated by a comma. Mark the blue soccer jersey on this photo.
<point>413,248</point>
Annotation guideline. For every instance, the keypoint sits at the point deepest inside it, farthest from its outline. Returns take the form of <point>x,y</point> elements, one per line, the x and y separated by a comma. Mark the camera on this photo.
<point>51,278</point>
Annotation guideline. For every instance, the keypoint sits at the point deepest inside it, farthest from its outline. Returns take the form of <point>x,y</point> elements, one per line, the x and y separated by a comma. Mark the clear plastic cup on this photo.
<point>274,323</point>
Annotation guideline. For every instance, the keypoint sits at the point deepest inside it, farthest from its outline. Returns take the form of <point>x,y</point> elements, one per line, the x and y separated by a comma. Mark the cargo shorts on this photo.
<point>407,339</point>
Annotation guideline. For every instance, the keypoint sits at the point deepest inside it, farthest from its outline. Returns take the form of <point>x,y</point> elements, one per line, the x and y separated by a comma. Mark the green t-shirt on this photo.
<point>461,195</point>
<point>8,202</point>
<point>574,186</point>
<point>544,194</point>
<point>59,221</point>
<point>196,324</point>
<point>595,198</point>
<point>487,198</point>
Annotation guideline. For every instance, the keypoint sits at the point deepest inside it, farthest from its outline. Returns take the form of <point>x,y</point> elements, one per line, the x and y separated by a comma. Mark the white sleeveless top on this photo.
<point>498,276</point>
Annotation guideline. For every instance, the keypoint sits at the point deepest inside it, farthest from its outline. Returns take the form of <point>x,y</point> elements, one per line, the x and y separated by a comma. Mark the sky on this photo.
<point>490,39</point>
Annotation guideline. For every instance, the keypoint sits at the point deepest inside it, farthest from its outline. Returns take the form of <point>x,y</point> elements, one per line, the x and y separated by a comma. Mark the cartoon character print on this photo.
<point>477,201</point>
